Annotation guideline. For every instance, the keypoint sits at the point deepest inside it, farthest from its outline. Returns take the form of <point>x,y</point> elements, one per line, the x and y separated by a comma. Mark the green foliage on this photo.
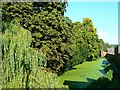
<point>86,45</point>
<point>44,38</point>
<point>53,38</point>
<point>24,11</point>
<point>51,31</point>
<point>80,46</point>
<point>44,79</point>
<point>91,38</point>
<point>63,43</point>
<point>20,62</point>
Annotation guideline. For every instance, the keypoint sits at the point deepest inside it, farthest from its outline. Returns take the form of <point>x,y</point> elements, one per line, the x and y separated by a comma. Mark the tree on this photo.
<point>91,38</point>
<point>80,48</point>
<point>19,60</point>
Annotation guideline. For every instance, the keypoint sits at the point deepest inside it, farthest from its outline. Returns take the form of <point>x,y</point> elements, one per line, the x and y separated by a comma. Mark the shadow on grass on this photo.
<point>72,68</point>
<point>77,84</point>
<point>101,82</point>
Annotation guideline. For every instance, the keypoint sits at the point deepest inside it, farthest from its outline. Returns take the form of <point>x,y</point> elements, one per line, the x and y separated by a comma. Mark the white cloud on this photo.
<point>103,35</point>
<point>107,37</point>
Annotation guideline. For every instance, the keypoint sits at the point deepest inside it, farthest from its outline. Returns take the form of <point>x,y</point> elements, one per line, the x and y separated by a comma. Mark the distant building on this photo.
<point>118,49</point>
<point>115,49</point>
<point>103,53</point>
<point>111,50</point>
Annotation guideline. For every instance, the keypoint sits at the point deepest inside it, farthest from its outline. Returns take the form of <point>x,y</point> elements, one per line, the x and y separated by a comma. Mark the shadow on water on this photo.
<point>105,62</point>
<point>103,71</point>
<point>78,84</point>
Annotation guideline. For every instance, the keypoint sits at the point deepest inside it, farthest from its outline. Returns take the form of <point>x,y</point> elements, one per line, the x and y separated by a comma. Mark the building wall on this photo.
<point>111,50</point>
<point>103,53</point>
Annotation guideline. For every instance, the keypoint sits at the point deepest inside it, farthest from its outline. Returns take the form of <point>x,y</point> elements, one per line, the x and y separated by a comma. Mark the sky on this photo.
<point>104,16</point>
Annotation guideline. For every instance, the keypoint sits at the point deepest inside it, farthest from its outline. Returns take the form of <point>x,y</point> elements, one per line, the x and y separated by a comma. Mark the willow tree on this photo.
<point>21,64</point>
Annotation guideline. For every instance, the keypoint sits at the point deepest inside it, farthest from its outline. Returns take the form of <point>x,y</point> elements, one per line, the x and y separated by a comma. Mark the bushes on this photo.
<point>43,79</point>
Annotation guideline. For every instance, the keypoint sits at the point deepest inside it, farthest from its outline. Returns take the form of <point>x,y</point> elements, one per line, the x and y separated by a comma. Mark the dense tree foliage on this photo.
<point>86,42</point>
<point>80,46</point>
<point>63,43</point>
<point>50,30</point>
<point>53,39</point>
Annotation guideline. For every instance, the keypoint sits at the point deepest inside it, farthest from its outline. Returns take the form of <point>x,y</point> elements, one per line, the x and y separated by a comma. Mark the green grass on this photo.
<point>82,74</point>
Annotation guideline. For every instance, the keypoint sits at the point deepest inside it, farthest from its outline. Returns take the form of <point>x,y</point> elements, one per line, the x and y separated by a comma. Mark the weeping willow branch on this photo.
<point>19,59</point>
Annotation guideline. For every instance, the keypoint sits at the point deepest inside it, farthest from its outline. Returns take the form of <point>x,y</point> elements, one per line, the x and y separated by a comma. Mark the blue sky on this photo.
<point>103,14</point>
